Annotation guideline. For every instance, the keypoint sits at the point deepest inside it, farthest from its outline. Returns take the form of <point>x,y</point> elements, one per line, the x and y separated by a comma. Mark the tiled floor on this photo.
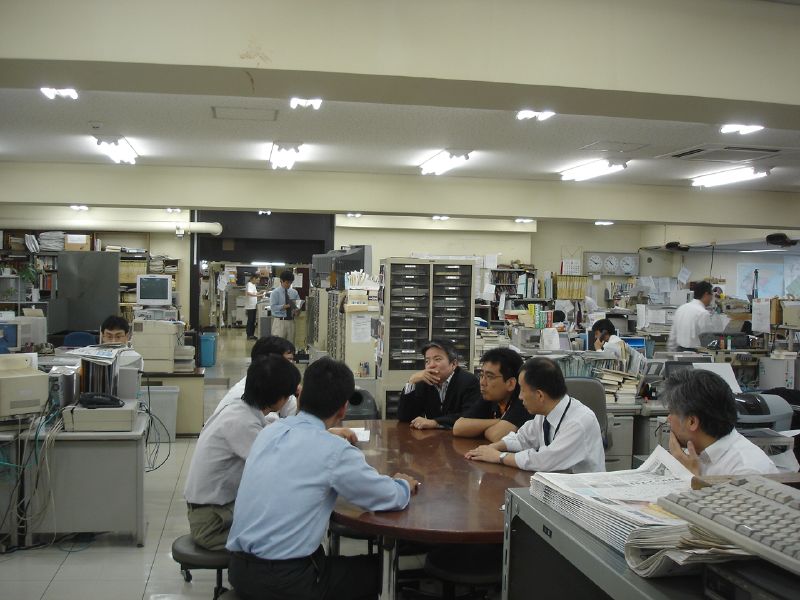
<point>111,566</point>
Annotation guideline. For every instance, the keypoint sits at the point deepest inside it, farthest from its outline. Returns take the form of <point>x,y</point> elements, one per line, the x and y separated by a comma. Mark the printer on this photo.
<point>763,410</point>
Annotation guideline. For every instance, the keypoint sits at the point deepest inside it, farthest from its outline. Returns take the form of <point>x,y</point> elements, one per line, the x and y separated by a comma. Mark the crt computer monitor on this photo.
<point>154,290</point>
<point>10,334</point>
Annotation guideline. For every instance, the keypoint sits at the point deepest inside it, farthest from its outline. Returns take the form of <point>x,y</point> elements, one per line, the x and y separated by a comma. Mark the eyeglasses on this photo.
<point>488,376</point>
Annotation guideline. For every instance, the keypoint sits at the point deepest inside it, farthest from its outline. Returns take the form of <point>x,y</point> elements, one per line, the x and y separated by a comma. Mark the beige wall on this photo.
<point>725,265</point>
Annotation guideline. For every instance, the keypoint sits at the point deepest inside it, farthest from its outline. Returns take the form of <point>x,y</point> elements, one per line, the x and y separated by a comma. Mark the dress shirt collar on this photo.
<point>717,450</point>
<point>558,411</point>
<point>446,382</point>
<point>699,304</point>
<point>304,417</point>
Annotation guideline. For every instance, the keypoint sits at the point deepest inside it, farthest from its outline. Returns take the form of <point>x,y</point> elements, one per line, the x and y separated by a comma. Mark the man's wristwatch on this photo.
<point>503,456</point>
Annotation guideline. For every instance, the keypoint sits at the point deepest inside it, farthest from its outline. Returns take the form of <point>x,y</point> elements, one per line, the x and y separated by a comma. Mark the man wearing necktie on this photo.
<point>563,436</point>
<point>283,305</point>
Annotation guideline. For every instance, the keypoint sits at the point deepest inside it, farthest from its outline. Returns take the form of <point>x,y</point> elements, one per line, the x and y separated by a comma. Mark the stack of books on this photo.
<point>621,387</point>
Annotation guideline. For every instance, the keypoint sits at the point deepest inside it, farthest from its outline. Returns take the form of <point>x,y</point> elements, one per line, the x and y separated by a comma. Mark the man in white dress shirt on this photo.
<point>564,435</point>
<point>603,337</point>
<point>283,306</point>
<point>251,305</point>
<point>702,419</point>
<point>224,444</point>
<point>691,319</point>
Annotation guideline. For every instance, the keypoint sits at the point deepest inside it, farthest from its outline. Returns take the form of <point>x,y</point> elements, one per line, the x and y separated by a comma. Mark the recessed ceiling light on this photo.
<point>759,251</point>
<point>314,103</point>
<point>172,210</point>
<point>283,155</point>
<point>523,220</point>
<point>79,207</point>
<point>526,114</point>
<point>264,263</point>
<point>603,223</point>
<point>265,212</point>
<point>354,215</point>
<point>52,93</point>
<point>440,217</point>
<point>444,160</point>
<point>117,148</point>
<point>726,177</point>
<point>595,168</point>
<point>740,129</point>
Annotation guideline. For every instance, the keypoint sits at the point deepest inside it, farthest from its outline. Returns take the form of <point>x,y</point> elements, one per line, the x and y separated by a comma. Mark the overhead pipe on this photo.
<point>176,227</point>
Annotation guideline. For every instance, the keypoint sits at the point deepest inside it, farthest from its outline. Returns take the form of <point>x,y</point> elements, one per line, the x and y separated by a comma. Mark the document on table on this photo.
<point>362,433</point>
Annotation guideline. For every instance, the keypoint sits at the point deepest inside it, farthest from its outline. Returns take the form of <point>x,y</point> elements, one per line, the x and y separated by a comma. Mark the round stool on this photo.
<point>228,595</point>
<point>337,531</point>
<point>466,564</point>
<point>191,556</point>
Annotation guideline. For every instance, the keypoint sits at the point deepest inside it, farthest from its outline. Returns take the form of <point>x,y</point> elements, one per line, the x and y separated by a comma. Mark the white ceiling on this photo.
<point>180,130</point>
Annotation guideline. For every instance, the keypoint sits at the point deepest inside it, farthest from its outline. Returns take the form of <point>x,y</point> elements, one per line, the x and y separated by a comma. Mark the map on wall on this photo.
<point>791,274</point>
<point>770,279</point>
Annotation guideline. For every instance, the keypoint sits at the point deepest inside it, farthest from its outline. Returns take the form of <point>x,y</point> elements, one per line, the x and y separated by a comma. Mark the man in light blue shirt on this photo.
<point>283,306</point>
<point>292,478</point>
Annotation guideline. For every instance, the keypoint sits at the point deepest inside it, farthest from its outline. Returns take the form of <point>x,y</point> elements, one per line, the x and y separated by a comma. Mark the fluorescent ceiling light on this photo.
<point>283,155</point>
<point>117,148</point>
<point>440,217</point>
<point>523,220</point>
<point>314,103</point>
<point>740,129</point>
<point>523,115</point>
<point>265,212</point>
<point>725,177</point>
<point>354,215</point>
<point>172,210</point>
<point>760,251</point>
<point>264,263</point>
<point>444,160</point>
<point>53,93</point>
<point>596,168</point>
<point>79,207</point>
<point>603,223</point>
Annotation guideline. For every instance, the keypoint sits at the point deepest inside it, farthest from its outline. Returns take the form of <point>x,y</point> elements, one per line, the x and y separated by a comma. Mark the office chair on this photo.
<point>78,339</point>
<point>591,393</point>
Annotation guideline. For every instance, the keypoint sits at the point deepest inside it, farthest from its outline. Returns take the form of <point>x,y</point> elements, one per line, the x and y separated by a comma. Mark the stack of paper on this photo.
<point>51,241</point>
<point>611,505</point>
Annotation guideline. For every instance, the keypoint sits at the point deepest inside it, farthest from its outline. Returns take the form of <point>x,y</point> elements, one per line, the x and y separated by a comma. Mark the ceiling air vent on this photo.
<point>726,154</point>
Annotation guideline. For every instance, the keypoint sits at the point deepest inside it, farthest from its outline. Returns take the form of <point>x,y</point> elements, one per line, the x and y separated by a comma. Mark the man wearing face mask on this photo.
<point>439,394</point>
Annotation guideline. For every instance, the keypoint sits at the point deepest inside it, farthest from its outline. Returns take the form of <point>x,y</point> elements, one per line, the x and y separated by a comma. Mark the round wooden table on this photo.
<point>459,500</point>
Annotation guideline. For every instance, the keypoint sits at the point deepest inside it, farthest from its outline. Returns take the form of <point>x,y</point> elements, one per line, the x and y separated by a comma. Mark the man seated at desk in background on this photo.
<point>702,419</point>
<point>439,394</point>
<point>114,330</point>
<point>563,436</point>
<point>224,444</point>
<point>291,481</point>
<point>264,346</point>
<point>282,305</point>
<point>691,319</point>
<point>501,411</point>
<point>603,338</point>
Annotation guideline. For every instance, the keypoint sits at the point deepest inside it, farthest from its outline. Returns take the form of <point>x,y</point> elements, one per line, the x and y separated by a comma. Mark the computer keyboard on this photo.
<point>755,513</point>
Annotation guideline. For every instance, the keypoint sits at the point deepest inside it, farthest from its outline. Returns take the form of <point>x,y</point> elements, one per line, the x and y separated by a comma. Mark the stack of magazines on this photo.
<point>51,241</point>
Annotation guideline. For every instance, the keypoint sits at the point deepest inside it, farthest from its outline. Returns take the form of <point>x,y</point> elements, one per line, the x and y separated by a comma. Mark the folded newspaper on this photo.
<point>618,507</point>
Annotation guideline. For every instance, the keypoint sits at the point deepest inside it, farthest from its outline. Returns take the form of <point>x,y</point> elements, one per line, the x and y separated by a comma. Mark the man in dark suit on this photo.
<point>438,395</point>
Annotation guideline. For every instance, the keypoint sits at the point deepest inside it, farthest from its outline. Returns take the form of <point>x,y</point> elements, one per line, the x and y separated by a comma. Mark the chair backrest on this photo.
<point>367,410</point>
<point>78,339</point>
<point>591,393</point>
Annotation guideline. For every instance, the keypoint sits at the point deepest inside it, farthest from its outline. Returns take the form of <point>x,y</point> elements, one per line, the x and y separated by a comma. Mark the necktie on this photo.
<point>546,428</point>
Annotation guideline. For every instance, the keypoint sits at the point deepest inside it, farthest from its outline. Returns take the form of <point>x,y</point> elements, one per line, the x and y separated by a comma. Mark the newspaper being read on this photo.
<point>611,505</point>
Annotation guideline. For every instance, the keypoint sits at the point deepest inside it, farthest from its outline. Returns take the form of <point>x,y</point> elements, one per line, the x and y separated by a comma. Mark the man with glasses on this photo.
<point>437,396</point>
<point>114,330</point>
<point>501,412</point>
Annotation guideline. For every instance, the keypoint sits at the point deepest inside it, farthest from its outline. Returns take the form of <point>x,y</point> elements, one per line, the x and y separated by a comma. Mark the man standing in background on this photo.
<point>251,307</point>
<point>691,319</point>
<point>283,304</point>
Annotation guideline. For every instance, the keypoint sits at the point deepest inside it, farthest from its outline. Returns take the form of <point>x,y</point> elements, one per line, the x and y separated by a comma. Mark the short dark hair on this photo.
<point>559,316</point>
<point>545,375</point>
<point>604,326</point>
<point>705,395</point>
<point>287,276</point>
<point>327,385</point>
<point>445,347</point>
<point>115,323</point>
<point>271,344</point>
<point>269,378</point>
<point>510,362</point>
<point>254,276</point>
<point>701,288</point>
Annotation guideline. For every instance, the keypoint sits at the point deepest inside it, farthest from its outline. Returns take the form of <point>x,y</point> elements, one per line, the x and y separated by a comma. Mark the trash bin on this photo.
<point>163,403</point>
<point>208,349</point>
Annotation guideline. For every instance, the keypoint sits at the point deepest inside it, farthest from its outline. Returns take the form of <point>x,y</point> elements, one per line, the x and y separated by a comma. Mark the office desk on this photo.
<point>458,502</point>
<point>8,485</point>
<point>190,418</point>
<point>96,480</point>
<point>545,555</point>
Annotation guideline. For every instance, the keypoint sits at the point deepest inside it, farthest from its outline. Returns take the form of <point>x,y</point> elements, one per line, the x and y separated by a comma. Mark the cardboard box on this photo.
<point>791,313</point>
<point>77,242</point>
<point>775,311</point>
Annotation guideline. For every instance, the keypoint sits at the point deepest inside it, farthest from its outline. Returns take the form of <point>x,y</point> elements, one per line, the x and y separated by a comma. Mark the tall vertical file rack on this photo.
<point>420,299</point>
